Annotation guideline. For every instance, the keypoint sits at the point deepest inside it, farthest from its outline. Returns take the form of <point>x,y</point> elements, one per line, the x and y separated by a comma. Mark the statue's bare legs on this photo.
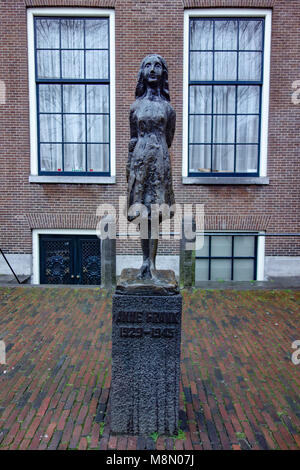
<point>149,248</point>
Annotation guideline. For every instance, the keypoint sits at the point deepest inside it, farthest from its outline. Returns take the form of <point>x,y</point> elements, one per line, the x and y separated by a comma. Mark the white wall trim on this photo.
<point>36,247</point>
<point>88,12</point>
<point>260,269</point>
<point>238,12</point>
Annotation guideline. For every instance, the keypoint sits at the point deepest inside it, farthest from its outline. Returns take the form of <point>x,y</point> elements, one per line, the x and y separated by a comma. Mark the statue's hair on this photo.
<point>141,88</point>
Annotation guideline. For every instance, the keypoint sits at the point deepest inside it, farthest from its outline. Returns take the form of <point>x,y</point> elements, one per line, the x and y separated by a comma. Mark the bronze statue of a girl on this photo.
<point>152,127</point>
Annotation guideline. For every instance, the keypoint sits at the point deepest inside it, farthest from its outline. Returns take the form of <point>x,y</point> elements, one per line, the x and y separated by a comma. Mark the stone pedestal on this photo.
<point>146,334</point>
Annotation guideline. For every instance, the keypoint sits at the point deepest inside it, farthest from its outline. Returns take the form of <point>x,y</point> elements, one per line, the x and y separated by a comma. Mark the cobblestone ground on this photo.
<point>239,387</point>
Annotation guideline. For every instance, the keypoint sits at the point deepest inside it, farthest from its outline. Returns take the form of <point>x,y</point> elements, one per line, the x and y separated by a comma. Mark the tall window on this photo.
<point>227,257</point>
<point>73,105</point>
<point>225,95</point>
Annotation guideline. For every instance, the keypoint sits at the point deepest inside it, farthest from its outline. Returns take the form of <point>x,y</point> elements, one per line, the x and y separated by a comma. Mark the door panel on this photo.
<point>90,260</point>
<point>74,259</point>
<point>56,260</point>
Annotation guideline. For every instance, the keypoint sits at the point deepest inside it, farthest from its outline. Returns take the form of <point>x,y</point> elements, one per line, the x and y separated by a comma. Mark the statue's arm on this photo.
<point>170,131</point>
<point>133,140</point>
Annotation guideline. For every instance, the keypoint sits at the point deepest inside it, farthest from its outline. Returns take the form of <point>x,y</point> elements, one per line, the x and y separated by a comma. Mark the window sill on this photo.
<point>72,179</point>
<point>259,180</point>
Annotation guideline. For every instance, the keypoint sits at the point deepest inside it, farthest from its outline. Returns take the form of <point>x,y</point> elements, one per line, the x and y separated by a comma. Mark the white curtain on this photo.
<point>232,111</point>
<point>74,127</point>
<point>98,157</point>
<point>96,34</point>
<point>48,64</point>
<point>72,34</point>
<point>200,101</point>
<point>47,33</point>
<point>97,98</point>
<point>74,157</point>
<point>51,157</point>
<point>97,64</point>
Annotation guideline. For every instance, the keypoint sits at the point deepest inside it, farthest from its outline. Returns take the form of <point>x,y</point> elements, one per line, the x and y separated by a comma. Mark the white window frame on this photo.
<point>260,254</point>
<point>229,12</point>
<point>73,12</point>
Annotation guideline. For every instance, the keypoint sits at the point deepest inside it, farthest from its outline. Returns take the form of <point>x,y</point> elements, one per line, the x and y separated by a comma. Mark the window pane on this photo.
<point>74,128</point>
<point>223,158</point>
<point>243,270</point>
<point>74,157</point>
<point>97,98</point>
<point>248,99</point>
<point>98,157</point>
<point>50,128</point>
<point>221,246</point>
<point>47,33</point>
<point>200,158</point>
<point>200,129</point>
<point>226,35</point>
<point>224,129</point>
<point>49,98</point>
<point>200,99</point>
<point>225,65</point>
<point>220,269</point>
<point>97,64</point>
<point>247,129</point>
<point>246,158</point>
<point>201,34</point>
<point>51,157</point>
<point>204,250</point>
<point>250,66</point>
<point>97,128</point>
<point>201,66</point>
<point>96,34</point>
<point>74,98</point>
<point>244,246</point>
<point>48,64</point>
<point>201,270</point>
<point>72,34</point>
<point>224,99</point>
<point>72,64</point>
<point>250,36</point>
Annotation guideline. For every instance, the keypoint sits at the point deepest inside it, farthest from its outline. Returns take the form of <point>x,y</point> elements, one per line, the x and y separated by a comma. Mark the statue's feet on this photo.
<point>153,271</point>
<point>147,271</point>
<point>144,272</point>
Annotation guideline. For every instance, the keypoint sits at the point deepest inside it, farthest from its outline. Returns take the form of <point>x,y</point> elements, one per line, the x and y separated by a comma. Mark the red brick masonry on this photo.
<point>239,387</point>
<point>141,27</point>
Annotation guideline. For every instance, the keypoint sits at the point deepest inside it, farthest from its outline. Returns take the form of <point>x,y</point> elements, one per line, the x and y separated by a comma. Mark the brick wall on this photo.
<point>143,27</point>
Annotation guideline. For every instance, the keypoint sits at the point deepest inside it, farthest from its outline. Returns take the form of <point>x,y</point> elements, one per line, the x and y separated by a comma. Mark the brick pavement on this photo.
<point>239,387</point>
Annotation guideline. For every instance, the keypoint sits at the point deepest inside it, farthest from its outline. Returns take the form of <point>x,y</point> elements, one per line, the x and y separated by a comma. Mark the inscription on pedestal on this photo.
<point>149,318</point>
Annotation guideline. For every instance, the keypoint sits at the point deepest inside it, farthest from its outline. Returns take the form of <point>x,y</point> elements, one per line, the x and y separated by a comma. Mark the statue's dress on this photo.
<point>152,124</point>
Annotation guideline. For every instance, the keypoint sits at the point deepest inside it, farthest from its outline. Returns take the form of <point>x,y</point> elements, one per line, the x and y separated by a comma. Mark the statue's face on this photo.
<point>153,70</point>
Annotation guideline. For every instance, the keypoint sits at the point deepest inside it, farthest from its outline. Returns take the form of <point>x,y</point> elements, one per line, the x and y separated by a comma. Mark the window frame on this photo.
<point>36,246</point>
<point>68,177</point>
<point>259,251</point>
<point>229,178</point>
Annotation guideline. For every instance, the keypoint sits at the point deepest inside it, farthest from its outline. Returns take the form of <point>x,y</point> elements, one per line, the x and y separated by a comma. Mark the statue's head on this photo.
<point>158,75</point>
